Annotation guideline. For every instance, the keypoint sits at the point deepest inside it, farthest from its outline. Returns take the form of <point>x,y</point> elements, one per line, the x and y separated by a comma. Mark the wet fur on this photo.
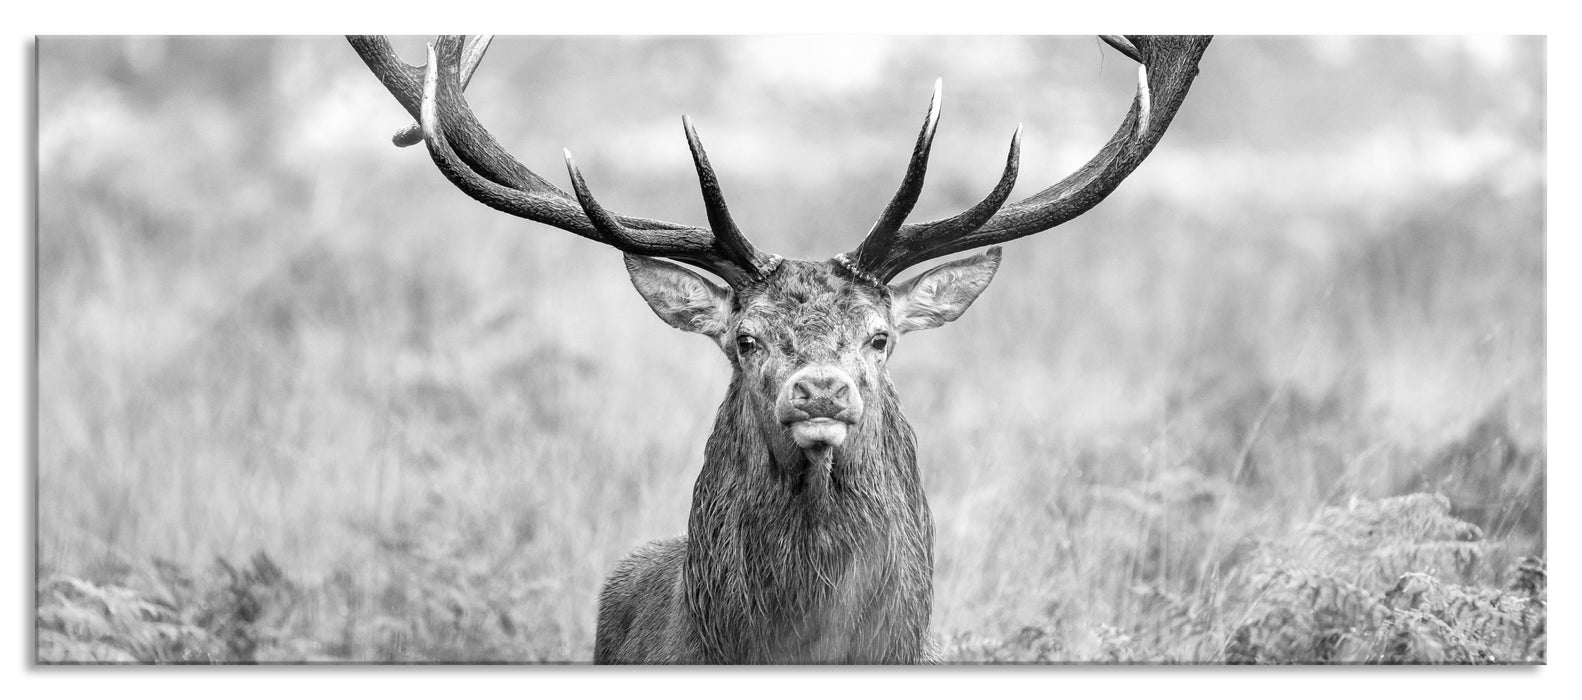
<point>786,561</point>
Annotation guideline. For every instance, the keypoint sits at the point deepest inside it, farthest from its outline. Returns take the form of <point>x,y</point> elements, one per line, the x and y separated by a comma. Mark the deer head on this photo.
<point>811,411</point>
<point>810,341</point>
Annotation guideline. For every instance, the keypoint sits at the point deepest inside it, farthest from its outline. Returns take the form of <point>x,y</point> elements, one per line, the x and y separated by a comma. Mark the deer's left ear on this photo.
<point>681,297</point>
<point>942,294</point>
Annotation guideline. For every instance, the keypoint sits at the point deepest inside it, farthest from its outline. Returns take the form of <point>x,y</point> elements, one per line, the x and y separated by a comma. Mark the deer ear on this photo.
<point>681,297</point>
<point>942,294</point>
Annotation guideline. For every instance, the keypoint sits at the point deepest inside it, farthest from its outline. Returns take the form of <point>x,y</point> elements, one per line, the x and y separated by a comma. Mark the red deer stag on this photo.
<point>809,540</point>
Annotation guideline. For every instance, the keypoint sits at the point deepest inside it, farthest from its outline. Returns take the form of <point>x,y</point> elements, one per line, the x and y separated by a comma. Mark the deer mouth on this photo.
<point>818,433</point>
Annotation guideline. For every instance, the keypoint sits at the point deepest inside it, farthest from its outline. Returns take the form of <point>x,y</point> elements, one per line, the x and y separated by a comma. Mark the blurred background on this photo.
<point>285,364</point>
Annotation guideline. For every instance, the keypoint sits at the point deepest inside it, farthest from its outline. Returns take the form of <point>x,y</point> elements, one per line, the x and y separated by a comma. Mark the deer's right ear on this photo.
<point>681,297</point>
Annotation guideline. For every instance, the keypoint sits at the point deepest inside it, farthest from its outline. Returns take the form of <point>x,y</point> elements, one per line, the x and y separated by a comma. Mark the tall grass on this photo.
<point>264,330</point>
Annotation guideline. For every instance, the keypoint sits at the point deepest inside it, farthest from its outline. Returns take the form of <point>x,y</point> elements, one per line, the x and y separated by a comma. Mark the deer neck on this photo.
<point>790,561</point>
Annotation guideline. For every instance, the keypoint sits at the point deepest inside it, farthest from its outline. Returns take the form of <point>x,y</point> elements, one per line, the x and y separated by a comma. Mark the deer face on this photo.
<point>810,341</point>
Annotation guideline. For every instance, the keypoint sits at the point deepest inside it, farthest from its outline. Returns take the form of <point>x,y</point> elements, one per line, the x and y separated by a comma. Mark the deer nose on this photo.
<point>824,385</point>
<point>823,392</point>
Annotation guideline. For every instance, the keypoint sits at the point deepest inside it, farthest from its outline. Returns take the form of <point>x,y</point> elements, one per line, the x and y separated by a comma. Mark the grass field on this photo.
<point>1280,399</point>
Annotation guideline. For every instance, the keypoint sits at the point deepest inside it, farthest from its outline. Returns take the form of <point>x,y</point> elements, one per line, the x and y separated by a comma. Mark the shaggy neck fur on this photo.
<point>788,562</point>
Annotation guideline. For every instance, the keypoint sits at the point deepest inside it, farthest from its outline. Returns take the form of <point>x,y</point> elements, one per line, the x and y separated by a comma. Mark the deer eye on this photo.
<point>746,344</point>
<point>879,342</point>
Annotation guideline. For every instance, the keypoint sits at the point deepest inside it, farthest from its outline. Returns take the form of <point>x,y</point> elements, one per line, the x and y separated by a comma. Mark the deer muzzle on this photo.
<point>818,404</point>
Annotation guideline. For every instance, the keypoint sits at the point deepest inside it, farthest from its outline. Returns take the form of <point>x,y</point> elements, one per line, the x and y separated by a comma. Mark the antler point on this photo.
<point>1144,99</point>
<point>933,103</point>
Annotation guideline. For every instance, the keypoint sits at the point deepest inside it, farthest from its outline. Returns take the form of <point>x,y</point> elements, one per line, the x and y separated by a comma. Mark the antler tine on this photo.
<point>912,247</point>
<point>1164,78</point>
<point>510,200</point>
<point>1123,45</point>
<point>473,160</point>
<point>1168,64</point>
<point>471,56</point>
<point>473,143</point>
<point>734,273</point>
<point>882,236</point>
<point>728,238</point>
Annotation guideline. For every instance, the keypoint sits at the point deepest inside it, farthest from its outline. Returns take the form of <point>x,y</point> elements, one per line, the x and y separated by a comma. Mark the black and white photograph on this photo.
<point>790,349</point>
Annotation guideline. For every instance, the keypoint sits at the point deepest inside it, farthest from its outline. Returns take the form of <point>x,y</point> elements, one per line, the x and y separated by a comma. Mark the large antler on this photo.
<point>1167,66</point>
<point>471,158</point>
